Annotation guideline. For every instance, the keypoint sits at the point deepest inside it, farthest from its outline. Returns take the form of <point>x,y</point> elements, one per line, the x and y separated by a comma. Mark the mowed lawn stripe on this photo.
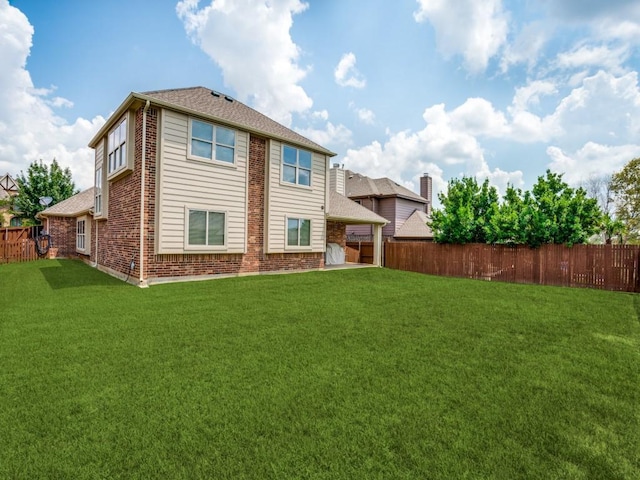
<point>368,373</point>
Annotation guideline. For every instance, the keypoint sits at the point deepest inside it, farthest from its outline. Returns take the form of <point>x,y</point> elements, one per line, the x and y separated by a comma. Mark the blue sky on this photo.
<point>493,89</point>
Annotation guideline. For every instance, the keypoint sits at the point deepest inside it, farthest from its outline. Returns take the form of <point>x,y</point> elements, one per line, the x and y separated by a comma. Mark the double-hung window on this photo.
<point>298,232</point>
<point>205,228</point>
<point>211,142</point>
<point>81,235</point>
<point>296,166</point>
<point>97,207</point>
<point>117,147</point>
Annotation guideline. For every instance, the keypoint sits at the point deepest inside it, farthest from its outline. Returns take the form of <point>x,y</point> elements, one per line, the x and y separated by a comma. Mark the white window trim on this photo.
<point>297,248</point>
<point>282,165</point>
<point>205,248</point>
<point>214,161</point>
<point>98,192</point>
<point>85,235</point>
<point>127,166</point>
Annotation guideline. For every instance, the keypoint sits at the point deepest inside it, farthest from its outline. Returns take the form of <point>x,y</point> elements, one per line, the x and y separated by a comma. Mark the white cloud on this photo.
<point>592,159</point>
<point>588,56</point>
<point>476,30</point>
<point>366,116</point>
<point>320,114</point>
<point>527,46</point>
<point>346,74</point>
<point>441,144</point>
<point>331,136</point>
<point>255,51</point>
<point>29,127</point>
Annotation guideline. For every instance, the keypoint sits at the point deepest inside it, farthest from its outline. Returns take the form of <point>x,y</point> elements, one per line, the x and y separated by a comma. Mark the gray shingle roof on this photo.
<point>225,109</point>
<point>357,185</point>
<point>344,210</point>
<point>73,206</point>
<point>415,226</point>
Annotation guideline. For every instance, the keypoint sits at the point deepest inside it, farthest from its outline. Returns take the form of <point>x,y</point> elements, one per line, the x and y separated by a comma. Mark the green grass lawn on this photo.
<point>351,374</point>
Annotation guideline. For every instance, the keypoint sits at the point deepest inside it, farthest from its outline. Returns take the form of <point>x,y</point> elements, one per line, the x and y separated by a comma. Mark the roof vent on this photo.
<point>215,94</point>
<point>228,99</point>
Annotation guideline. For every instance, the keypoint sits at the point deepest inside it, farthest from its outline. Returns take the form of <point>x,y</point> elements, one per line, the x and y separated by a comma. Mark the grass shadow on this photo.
<point>74,274</point>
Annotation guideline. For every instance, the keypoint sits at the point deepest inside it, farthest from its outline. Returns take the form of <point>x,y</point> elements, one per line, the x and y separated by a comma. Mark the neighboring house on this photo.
<point>72,222</point>
<point>406,211</point>
<point>192,183</point>
<point>8,189</point>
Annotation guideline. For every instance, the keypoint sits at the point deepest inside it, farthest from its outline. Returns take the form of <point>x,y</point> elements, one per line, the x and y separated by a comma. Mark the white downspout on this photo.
<point>142,180</point>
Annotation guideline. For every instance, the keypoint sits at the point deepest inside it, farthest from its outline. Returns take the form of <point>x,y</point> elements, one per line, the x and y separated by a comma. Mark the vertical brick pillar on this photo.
<point>255,209</point>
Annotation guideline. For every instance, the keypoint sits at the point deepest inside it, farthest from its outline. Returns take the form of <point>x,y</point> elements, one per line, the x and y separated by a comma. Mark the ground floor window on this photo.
<point>298,232</point>
<point>81,234</point>
<point>205,228</point>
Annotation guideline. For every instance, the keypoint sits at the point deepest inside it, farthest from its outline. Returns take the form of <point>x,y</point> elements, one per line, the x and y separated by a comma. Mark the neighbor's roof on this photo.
<point>357,185</point>
<point>8,186</point>
<point>344,210</point>
<point>217,107</point>
<point>74,206</point>
<point>415,226</point>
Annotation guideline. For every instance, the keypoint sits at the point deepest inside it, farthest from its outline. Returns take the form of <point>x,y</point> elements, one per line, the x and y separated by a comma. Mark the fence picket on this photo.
<point>610,267</point>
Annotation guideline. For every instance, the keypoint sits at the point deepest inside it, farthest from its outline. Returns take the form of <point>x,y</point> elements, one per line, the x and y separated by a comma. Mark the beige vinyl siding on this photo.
<point>292,201</point>
<point>198,185</point>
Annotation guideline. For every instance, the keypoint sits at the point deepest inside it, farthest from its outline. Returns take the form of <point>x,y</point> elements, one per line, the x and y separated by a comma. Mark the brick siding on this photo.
<point>337,233</point>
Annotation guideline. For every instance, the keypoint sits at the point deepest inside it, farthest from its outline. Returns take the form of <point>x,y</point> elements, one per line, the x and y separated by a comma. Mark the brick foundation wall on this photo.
<point>337,233</point>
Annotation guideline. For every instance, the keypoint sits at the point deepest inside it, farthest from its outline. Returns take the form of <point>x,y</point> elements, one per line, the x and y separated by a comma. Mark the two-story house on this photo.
<point>407,212</point>
<point>193,183</point>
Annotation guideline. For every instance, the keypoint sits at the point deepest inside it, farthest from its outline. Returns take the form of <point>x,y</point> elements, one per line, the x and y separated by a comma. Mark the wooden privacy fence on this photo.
<point>17,244</point>
<point>608,267</point>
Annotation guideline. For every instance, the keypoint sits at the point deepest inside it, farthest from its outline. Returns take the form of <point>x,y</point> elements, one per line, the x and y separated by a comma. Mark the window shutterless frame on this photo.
<point>298,232</point>
<point>208,141</point>
<point>296,166</point>
<point>205,230</point>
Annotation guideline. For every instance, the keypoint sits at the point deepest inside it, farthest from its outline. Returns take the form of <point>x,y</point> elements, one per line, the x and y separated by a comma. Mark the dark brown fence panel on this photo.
<point>365,249</point>
<point>17,244</point>
<point>610,267</point>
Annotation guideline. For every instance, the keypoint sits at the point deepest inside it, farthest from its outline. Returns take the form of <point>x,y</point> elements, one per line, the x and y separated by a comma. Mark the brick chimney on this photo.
<point>426,190</point>
<point>336,179</point>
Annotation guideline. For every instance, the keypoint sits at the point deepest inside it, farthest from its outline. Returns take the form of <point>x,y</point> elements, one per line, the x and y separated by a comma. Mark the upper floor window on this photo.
<point>117,147</point>
<point>296,166</point>
<point>97,207</point>
<point>212,142</point>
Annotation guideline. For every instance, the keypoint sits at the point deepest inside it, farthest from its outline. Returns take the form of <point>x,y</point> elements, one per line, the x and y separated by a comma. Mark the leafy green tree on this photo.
<point>556,213</point>
<point>625,186</point>
<point>467,210</point>
<point>41,181</point>
<point>507,226</point>
<point>551,212</point>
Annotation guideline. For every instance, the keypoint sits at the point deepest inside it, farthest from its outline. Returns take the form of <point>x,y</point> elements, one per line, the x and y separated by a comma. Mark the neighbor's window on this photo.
<point>117,147</point>
<point>296,166</point>
<point>206,228</point>
<point>80,234</point>
<point>97,207</point>
<point>212,142</point>
<point>298,232</point>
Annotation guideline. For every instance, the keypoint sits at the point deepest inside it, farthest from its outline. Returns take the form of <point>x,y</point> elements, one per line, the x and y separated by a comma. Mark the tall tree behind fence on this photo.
<point>609,267</point>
